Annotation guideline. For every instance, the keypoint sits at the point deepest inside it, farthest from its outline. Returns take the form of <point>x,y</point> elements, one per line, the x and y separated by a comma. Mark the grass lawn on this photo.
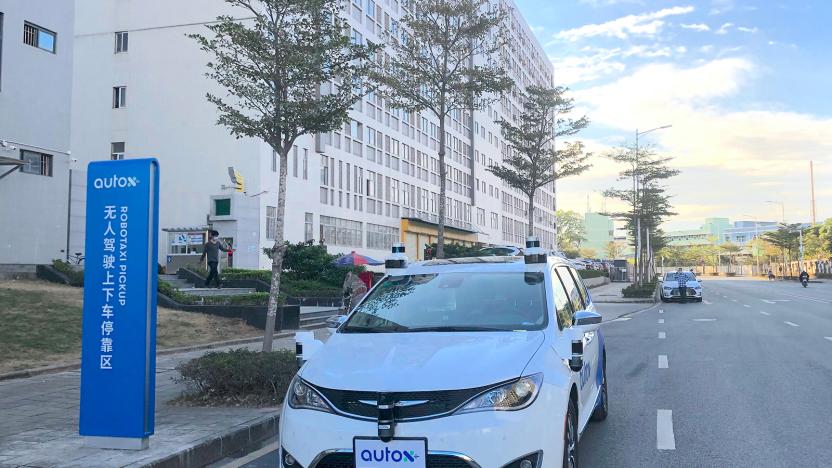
<point>40,324</point>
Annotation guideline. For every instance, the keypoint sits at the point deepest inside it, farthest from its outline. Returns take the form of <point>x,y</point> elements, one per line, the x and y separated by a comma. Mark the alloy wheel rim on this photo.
<point>570,443</point>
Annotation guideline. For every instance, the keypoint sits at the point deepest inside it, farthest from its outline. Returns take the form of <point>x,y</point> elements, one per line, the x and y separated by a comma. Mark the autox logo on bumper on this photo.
<point>387,455</point>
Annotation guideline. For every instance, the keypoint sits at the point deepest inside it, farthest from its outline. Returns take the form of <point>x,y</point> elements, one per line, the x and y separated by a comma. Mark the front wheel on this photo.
<point>570,437</point>
<point>601,411</point>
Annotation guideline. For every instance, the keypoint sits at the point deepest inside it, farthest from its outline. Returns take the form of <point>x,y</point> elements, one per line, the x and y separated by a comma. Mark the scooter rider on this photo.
<point>804,277</point>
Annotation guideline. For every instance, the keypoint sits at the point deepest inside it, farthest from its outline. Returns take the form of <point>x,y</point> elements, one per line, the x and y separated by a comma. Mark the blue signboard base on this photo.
<point>118,443</point>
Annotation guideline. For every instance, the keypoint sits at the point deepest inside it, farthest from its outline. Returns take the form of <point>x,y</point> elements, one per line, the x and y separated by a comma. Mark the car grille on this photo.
<point>347,460</point>
<point>691,292</point>
<point>414,405</point>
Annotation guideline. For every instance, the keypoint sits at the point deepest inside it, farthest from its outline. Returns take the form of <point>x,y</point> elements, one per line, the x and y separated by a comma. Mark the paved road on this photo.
<point>744,379</point>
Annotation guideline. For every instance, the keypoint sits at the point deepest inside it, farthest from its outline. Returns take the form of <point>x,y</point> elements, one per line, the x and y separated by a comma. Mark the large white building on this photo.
<point>139,91</point>
<point>36,38</point>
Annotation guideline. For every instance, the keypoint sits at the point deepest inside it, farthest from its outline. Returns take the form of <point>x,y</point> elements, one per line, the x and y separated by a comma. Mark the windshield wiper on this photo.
<point>360,329</point>
<point>451,328</point>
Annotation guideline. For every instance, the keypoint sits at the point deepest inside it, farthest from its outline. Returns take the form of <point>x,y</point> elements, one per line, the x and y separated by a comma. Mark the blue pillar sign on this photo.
<point>118,355</point>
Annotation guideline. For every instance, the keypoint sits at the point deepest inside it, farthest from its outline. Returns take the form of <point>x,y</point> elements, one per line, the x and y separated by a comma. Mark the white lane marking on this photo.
<point>705,320</point>
<point>734,300</point>
<point>620,319</point>
<point>661,320</point>
<point>791,324</point>
<point>662,335</point>
<point>768,301</point>
<point>828,338</point>
<point>707,302</point>
<point>746,305</point>
<point>764,312</point>
<point>661,311</point>
<point>252,456</point>
<point>662,361</point>
<point>664,430</point>
<point>808,298</point>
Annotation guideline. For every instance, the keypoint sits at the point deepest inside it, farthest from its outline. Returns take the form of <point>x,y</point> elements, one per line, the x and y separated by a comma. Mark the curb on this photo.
<point>239,439</point>
<point>164,352</point>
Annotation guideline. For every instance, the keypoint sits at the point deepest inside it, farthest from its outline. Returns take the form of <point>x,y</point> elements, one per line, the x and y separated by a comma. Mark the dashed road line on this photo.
<point>764,312</point>
<point>661,320</point>
<point>665,440</point>
<point>746,305</point>
<point>707,302</point>
<point>768,301</point>
<point>734,300</point>
<point>705,320</point>
<point>661,311</point>
<point>828,338</point>
<point>662,335</point>
<point>662,361</point>
<point>791,324</point>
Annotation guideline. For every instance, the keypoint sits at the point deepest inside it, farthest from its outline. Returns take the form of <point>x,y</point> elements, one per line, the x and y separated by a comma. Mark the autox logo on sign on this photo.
<point>115,182</point>
<point>387,455</point>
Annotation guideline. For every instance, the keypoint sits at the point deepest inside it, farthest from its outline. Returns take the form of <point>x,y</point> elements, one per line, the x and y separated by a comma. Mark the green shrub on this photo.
<point>645,290</point>
<point>255,298</point>
<point>308,288</point>
<point>239,273</point>
<point>238,377</point>
<point>76,277</point>
<point>587,274</point>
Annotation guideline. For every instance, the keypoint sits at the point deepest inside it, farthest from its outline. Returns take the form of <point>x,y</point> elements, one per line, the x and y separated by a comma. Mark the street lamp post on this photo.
<point>636,183</point>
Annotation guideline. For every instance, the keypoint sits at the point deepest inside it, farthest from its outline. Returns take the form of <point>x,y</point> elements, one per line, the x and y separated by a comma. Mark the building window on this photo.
<point>121,42</point>
<point>381,237</point>
<point>337,231</point>
<point>117,150</point>
<point>41,38</point>
<point>307,228</point>
<point>222,207</point>
<point>271,222</point>
<point>305,164</point>
<point>1,49</point>
<point>36,163</point>
<point>119,97</point>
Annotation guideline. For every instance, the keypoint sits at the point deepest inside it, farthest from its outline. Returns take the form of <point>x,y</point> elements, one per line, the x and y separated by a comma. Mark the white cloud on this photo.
<point>706,48</point>
<point>600,62</point>
<point>647,24</point>
<point>725,153</point>
<point>697,27</point>
<point>747,30</point>
<point>724,28</point>
<point>603,3</point>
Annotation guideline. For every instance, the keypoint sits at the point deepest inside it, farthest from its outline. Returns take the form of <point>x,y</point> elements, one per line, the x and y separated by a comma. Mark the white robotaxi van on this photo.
<point>681,286</point>
<point>469,362</point>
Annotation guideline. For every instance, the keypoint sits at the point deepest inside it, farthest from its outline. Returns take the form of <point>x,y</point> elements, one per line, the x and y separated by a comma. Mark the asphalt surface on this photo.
<point>743,379</point>
<point>748,381</point>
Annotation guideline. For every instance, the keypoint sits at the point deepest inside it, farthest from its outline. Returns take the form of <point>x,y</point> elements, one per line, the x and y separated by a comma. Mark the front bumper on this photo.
<point>674,295</point>
<point>488,439</point>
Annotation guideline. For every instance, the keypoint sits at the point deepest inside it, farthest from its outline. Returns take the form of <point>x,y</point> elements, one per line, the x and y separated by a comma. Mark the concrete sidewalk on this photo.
<point>611,293</point>
<point>39,423</point>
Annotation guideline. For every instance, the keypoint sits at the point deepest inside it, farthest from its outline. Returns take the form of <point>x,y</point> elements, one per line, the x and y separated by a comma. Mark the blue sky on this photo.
<point>747,86</point>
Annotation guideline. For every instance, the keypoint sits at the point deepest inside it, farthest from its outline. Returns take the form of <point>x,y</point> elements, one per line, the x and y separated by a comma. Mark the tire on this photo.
<point>698,299</point>
<point>570,437</point>
<point>601,411</point>
<point>664,299</point>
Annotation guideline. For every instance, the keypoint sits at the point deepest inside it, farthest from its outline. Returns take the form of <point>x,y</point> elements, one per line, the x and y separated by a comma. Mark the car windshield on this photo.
<point>453,302</point>
<point>686,275</point>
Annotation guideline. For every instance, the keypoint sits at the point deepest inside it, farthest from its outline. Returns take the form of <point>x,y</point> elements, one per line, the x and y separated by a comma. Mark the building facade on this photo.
<point>599,231</point>
<point>140,91</point>
<point>36,51</point>
<point>717,231</point>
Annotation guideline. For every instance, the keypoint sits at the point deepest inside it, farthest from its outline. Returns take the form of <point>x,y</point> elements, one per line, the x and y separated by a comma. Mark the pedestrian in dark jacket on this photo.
<point>212,252</point>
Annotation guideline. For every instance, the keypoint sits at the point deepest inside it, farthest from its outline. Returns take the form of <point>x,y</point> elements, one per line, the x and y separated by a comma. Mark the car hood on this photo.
<point>675,284</point>
<point>398,362</point>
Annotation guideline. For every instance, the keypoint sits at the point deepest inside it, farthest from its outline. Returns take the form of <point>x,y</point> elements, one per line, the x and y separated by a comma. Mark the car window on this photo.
<point>563,308</point>
<point>581,286</point>
<point>571,288</point>
<point>453,302</point>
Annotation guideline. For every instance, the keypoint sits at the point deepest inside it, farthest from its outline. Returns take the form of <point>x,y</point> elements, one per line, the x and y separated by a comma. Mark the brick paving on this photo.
<point>39,420</point>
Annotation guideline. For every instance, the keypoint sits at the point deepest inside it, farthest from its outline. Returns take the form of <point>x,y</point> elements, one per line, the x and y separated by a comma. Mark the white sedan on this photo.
<point>681,286</point>
<point>466,362</point>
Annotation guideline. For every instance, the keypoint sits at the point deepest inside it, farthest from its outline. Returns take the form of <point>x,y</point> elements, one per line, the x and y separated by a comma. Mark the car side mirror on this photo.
<point>586,321</point>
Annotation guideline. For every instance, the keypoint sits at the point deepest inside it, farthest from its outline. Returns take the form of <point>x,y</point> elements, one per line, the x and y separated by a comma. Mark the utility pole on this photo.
<point>812,185</point>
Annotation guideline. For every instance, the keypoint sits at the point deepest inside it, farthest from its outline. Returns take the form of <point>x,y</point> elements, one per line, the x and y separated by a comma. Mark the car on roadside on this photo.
<point>673,284</point>
<point>500,251</point>
<point>465,362</point>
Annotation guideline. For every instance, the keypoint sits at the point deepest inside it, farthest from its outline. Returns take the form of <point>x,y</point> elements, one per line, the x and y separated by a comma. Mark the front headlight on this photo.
<point>507,397</point>
<point>302,395</point>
